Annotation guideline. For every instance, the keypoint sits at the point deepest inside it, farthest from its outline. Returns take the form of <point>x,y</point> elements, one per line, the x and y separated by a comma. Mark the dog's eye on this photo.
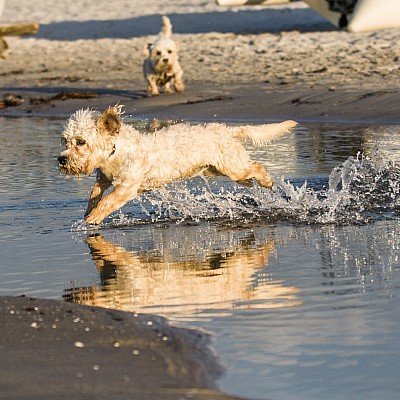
<point>80,142</point>
<point>169,51</point>
<point>158,53</point>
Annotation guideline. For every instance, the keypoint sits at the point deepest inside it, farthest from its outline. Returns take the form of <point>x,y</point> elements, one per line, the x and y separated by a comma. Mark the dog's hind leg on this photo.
<point>254,171</point>
<point>259,173</point>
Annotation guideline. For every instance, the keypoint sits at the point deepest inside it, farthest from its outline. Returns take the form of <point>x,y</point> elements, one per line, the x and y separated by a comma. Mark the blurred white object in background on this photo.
<point>249,2</point>
<point>361,15</point>
<point>1,6</point>
<point>353,15</point>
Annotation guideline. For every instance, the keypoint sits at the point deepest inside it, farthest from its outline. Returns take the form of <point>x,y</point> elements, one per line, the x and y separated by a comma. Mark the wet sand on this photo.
<point>247,63</point>
<point>55,350</point>
<point>213,102</point>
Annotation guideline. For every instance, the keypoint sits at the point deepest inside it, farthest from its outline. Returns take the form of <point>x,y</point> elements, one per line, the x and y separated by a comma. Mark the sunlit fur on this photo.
<point>133,162</point>
<point>82,158</point>
<point>161,67</point>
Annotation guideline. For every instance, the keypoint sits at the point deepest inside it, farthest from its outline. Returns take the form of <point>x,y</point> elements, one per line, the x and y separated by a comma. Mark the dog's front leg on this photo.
<point>152,88</point>
<point>179,86</point>
<point>110,203</point>
<point>97,193</point>
<point>167,88</point>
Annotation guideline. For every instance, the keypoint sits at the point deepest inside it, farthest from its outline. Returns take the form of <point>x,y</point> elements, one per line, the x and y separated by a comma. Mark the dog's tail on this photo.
<point>167,27</point>
<point>263,134</point>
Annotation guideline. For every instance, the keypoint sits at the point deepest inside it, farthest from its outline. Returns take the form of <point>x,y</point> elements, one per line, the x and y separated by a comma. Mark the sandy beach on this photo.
<point>240,63</point>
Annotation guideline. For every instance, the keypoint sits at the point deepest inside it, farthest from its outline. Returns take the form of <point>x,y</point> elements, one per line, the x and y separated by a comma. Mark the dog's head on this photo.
<point>163,52</point>
<point>88,140</point>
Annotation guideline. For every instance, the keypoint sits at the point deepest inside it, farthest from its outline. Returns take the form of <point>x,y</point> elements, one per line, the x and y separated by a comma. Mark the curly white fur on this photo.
<point>161,66</point>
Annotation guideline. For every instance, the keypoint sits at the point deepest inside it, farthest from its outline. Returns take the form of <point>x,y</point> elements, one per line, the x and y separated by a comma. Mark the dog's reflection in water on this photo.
<point>155,283</point>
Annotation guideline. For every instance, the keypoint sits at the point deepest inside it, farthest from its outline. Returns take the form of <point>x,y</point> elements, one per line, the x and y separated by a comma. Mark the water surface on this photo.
<point>300,284</point>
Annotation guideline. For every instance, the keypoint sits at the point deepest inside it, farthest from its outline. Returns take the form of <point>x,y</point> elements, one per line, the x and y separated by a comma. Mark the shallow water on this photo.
<point>301,284</point>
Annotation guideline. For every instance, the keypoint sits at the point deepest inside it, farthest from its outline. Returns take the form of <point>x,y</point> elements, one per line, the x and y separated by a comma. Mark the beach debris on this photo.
<point>10,100</point>
<point>63,96</point>
<point>3,48</point>
<point>13,100</point>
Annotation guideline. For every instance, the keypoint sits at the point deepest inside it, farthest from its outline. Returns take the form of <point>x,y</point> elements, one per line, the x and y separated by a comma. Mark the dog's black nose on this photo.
<point>165,60</point>
<point>62,160</point>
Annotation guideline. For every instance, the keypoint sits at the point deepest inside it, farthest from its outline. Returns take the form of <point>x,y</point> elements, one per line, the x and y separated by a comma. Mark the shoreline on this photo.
<point>209,102</point>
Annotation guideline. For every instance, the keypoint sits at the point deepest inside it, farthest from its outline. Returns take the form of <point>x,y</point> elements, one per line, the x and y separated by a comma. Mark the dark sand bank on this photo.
<point>55,350</point>
<point>207,102</point>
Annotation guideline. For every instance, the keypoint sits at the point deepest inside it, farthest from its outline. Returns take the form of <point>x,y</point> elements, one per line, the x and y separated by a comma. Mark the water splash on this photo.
<point>359,190</point>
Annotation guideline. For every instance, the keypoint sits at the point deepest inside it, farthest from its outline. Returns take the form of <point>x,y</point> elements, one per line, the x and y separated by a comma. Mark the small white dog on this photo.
<point>133,162</point>
<point>161,67</point>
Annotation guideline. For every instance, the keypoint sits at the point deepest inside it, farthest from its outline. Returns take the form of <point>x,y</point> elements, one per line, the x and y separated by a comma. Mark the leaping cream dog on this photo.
<point>133,162</point>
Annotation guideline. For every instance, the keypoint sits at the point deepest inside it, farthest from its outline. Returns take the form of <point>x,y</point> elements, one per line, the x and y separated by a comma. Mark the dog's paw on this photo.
<point>94,218</point>
<point>153,92</point>
<point>179,87</point>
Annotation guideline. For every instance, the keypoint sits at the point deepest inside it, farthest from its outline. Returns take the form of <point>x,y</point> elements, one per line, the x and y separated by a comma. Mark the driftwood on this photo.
<point>3,48</point>
<point>19,29</point>
<point>15,29</point>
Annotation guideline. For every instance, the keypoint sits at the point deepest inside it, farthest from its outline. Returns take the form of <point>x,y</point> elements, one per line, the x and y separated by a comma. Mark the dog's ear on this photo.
<point>109,122</point>
<point>147,49</point>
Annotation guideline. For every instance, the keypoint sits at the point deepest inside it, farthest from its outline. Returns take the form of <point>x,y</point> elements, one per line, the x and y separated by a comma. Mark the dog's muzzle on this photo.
<point>64,165</point>
<point>69,166</point>
<point>62,161</point>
